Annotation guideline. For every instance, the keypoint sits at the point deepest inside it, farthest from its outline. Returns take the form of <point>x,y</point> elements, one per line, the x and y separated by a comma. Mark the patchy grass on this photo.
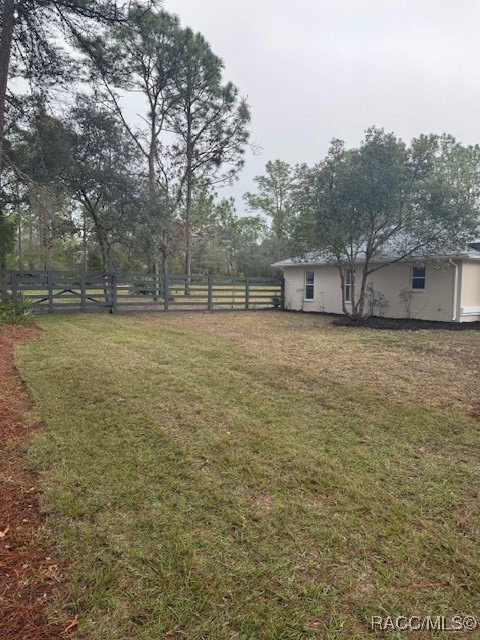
<point>256,476</point>
<point>433,369</point>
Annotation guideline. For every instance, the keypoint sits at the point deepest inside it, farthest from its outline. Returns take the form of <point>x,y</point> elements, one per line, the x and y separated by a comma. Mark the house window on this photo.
<point>348,285</point>
<point>418,278</point>
<point>309,282</point>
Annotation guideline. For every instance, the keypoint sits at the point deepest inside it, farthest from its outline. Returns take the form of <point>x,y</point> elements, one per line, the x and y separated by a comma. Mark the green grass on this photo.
<point>201,484</point>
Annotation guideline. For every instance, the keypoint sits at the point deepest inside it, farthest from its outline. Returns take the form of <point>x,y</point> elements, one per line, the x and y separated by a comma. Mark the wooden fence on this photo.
<point>70,291</point>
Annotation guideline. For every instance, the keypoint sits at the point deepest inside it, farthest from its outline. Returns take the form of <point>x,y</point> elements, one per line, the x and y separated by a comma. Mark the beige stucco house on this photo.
<point>444,288</point>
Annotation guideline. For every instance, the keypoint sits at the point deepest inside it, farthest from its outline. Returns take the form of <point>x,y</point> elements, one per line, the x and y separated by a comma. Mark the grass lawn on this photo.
<point>256,475</point>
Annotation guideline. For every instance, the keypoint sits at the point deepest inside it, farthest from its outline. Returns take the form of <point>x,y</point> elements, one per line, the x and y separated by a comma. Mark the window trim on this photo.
<point>413,277</point>
<point>347,285</point>
<point>309,285</point>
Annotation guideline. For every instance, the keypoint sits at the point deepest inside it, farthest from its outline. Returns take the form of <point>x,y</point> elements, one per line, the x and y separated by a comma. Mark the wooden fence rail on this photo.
<point>80,291</point>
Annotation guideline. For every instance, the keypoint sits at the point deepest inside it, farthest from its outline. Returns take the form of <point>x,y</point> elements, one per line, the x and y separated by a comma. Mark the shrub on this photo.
<point>406,296</point>
<point>375,301</point>
<point>144,289</point>
<point>15,312</point>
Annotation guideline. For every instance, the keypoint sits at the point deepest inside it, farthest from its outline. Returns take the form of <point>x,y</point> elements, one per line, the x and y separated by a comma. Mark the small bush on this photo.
<point>144,289</point>
<point>15,312</point>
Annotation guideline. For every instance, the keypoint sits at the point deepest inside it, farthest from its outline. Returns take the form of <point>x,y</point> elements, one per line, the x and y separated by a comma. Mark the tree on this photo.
<point>40,153</point>
<point>209,121</point>
<point>34,42</point>
<point>149,57</point>
<point>386,199</point>
<point>240,238</point>
<point>274,199</point>
<point>205,122</point>
<point>100,175</point>
<point>141,57</point>
<point>151,225</point>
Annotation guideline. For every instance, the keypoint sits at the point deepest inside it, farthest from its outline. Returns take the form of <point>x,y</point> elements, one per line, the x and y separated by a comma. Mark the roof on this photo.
<point>317,258</point>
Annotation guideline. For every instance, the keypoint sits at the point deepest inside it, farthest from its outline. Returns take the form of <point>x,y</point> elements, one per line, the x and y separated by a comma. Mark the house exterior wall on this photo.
<point>327,293</point>
<point>435,302</point>
<point>470,292</point>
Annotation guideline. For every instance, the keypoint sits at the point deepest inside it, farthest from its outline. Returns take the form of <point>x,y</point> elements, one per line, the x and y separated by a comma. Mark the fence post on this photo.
<point>210,294</point>
<point>50,291</point>
<point>114,292</point>
<point>165,291</point>
<point>83,293</point>
<point>14,281</point>
<point>247,294</point>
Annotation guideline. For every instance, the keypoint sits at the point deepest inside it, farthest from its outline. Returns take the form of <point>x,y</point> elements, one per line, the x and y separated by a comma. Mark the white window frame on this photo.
<point>347,284</point>
<point>307,285</point>
<point>412,278</point>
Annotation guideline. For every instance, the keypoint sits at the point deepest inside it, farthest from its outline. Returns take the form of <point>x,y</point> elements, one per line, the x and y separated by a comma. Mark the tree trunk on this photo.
<point>102,241</point>
<point>341,271</point>
<point>6,37</point>
<point>156,278</point>
<point>20,240</point>
<point>84,243</point>
<point>8,18</point>
<point>361,299</point>
<point>152,149</point>
<point>188,230</point>
<point>231,265</point>
<point>31,264</point>
<point>19,231</point>
<point>188,218</point>
<point>44,235</point>
<point>165,257</point>
<point>105,250</point>
<point>152,179</point>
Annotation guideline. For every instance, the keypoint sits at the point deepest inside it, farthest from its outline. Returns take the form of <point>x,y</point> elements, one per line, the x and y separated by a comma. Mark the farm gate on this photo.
<point>80,291</point>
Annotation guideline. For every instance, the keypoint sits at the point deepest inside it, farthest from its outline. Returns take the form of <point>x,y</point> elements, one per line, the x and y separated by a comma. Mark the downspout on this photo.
<point>455,289</point>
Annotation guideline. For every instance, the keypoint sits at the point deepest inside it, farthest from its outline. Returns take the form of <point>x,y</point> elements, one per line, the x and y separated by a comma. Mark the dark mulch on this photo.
<point>402,324</point>
<point>28,573</point>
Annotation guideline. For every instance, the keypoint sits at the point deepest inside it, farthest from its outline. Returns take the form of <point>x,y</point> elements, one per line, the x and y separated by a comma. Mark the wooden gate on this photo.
<point>62,291</point>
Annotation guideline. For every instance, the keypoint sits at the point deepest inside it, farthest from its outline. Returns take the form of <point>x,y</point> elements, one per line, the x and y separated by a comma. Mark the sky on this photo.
<point>313,70</point>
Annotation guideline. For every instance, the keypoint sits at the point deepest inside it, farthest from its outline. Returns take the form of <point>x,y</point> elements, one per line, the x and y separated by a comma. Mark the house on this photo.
<point>443,288</point>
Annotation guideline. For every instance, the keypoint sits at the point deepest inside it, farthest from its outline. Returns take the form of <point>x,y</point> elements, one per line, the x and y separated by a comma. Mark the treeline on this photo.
<point>86,184</point>
<point>119,130</point>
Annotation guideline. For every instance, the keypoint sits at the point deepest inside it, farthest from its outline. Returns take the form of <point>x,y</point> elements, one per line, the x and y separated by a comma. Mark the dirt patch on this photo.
<point>28,574</point>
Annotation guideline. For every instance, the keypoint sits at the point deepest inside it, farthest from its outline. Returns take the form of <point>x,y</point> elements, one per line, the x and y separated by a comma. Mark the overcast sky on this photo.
<point>317,69</point>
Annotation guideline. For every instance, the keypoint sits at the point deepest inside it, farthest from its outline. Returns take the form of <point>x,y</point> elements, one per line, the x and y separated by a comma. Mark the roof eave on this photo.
<point>324,263</point>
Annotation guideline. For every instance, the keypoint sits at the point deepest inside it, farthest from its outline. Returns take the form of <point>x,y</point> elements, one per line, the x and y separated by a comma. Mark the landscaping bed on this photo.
<point>27,571</point>
<point>404,324</point>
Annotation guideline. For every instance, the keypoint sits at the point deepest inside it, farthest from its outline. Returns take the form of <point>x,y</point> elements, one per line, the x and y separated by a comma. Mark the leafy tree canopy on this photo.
<point>388,199</point>
<point>274,198</point>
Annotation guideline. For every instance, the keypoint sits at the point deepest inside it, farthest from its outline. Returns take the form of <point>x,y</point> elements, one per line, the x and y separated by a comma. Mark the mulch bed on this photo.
<point>401,324</point>
<point>28,574</point>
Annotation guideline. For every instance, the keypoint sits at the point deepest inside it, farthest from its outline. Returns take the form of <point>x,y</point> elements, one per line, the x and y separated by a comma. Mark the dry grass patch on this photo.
<point>437,369</point>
